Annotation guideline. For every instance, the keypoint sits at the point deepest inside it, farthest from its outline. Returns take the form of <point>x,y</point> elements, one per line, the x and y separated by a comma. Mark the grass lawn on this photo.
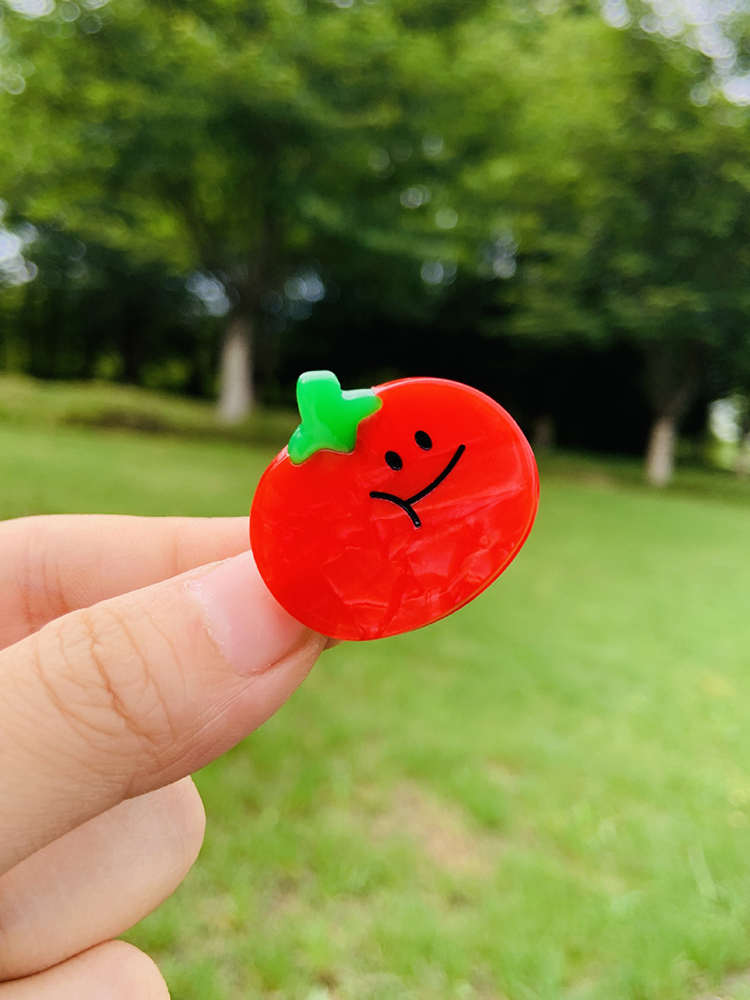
<point>545,796</point>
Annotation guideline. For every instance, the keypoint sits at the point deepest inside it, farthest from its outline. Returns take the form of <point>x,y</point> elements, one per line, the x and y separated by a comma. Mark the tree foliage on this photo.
<point>508,183</point>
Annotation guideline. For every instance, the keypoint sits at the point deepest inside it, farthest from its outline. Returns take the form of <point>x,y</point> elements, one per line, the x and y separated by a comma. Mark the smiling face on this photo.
<point>432,504</point>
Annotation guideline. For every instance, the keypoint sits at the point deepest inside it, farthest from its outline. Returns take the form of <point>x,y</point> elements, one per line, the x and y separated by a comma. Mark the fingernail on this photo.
<point>249,626</point>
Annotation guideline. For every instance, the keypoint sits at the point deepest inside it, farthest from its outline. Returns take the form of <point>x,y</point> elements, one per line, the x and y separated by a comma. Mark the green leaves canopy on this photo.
<point>571,168</point>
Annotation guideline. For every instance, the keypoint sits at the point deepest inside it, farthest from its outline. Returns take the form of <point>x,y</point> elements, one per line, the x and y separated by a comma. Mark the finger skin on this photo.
<point>55,564</point>
<point>111,971</point>
<point>98,880</point>
<point>134,693</point>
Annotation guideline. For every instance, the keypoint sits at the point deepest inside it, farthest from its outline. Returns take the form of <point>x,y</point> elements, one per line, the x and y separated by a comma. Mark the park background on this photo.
<point>546,796</point>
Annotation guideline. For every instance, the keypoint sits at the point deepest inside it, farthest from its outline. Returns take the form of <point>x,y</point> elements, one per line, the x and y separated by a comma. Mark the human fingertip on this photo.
<point>250,628</point>
<point>135,973</point>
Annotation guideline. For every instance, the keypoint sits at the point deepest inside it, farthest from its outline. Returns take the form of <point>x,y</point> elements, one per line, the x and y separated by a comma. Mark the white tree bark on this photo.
<point>235,375</point>
<point>660,451</point>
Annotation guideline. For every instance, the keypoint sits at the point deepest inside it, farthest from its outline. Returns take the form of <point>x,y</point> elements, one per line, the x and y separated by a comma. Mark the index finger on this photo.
<point>55,564</point>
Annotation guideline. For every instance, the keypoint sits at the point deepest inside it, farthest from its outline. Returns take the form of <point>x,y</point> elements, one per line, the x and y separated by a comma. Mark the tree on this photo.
<point>657,239</point>
<point>544,179</point>
<point>237,143</point>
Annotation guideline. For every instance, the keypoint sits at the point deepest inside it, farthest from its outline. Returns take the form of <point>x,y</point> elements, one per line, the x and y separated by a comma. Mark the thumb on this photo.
<point>135,692</point>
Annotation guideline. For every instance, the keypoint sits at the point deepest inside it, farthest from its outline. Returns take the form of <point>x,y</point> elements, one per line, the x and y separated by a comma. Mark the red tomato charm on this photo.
<point>392,507</point>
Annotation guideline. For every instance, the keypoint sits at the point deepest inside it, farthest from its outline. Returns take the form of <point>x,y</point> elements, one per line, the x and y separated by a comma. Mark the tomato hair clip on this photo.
<point>391,507</point>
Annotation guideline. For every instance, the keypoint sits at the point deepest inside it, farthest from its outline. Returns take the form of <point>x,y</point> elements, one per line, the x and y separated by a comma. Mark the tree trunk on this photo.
<point>660,450</point>
<point>235,374</point>
<point>673,375</point>
<point>543,433</point>
<point>130,344</point>
<point>742,462</point>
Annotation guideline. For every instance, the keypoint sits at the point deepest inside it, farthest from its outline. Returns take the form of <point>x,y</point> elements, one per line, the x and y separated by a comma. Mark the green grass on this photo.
<point>545,796</point>
<point>107,405</point>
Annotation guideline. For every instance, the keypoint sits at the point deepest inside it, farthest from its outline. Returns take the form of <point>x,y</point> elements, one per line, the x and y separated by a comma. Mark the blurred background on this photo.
<point>547,795</point>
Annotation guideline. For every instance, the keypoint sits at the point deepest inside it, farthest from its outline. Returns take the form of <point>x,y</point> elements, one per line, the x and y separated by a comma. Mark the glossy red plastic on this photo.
<point>357,548</point>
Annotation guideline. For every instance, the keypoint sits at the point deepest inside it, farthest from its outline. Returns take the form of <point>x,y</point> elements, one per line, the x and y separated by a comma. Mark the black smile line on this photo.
<point>408,505</point>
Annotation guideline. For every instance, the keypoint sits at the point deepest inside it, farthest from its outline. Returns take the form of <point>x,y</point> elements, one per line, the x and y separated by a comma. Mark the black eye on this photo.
<point>394,460</point>
<point>424,440</point>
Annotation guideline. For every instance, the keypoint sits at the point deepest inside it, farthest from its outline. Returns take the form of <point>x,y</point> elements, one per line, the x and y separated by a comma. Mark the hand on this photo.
<point>123,668</point>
